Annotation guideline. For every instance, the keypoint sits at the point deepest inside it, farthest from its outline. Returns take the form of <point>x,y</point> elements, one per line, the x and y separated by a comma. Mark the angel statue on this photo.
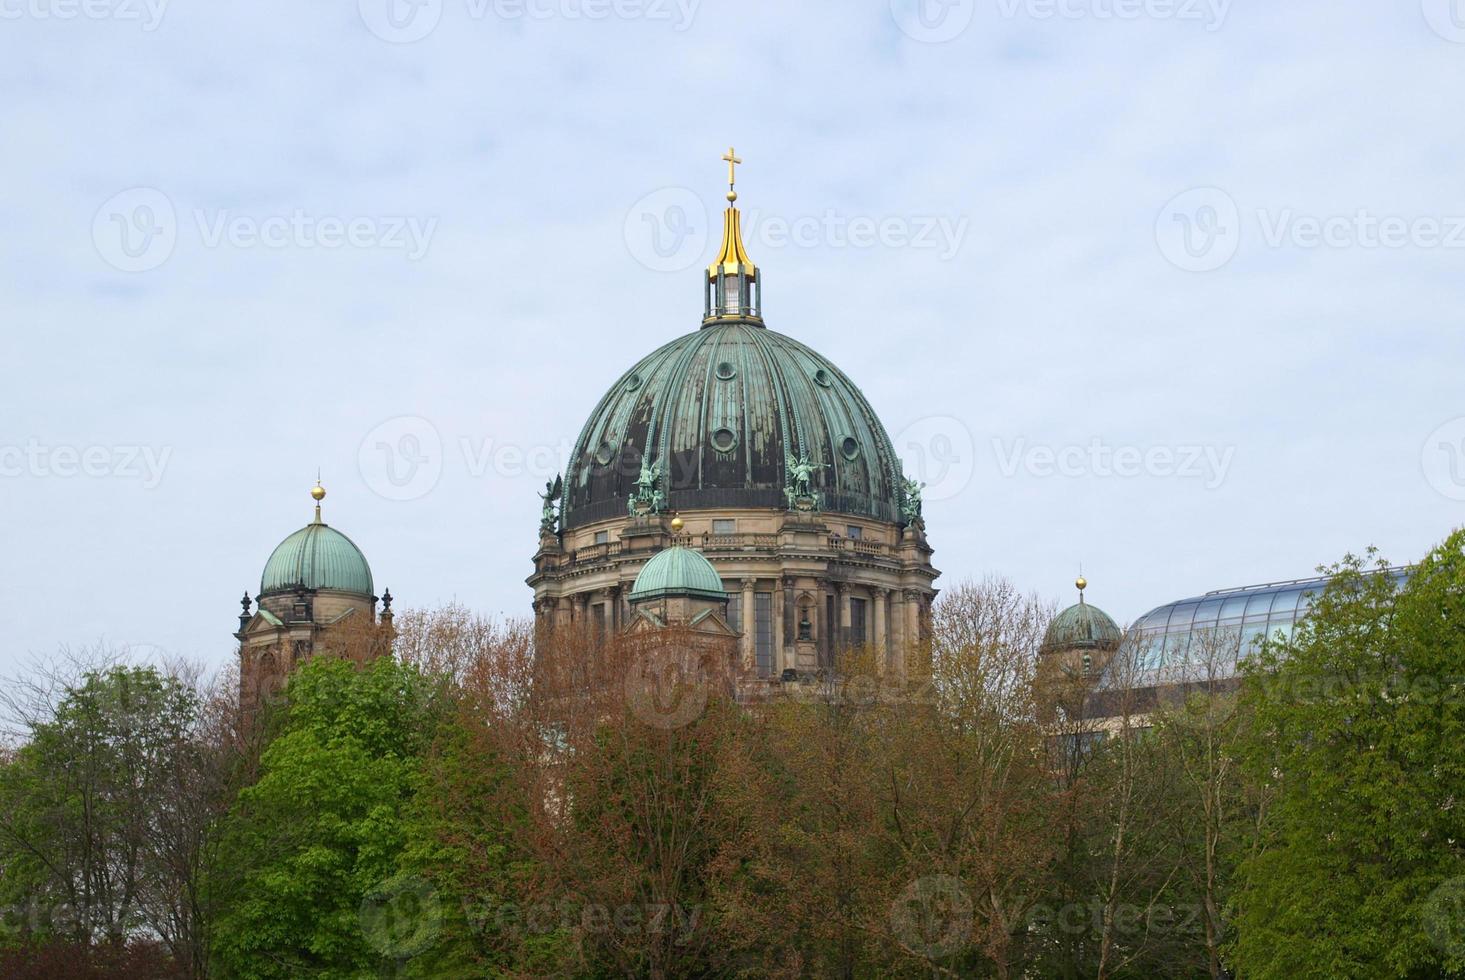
<point>647,499</point>
<point>549,520</point>
<point>799,483</point>
<point>910,506</point>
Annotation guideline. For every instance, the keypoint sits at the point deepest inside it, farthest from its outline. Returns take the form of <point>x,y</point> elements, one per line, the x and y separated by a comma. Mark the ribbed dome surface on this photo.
<point>718,411</point>
<point>1082,627</point>
<point>317,557</point>
<point>678,572</point>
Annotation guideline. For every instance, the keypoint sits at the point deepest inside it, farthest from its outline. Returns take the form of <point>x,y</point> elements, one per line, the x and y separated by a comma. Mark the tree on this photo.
<point>107,808</point>
<point>310,882</point>
<point>1359,725</point>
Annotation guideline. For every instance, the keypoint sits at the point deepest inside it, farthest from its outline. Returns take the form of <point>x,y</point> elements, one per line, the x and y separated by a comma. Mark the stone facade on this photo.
<point>814,582</point>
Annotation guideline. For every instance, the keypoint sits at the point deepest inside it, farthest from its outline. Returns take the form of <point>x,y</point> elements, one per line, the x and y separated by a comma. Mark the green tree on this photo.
<point>92,825</point>
<point>313,848</point>
<point>1359,725</point>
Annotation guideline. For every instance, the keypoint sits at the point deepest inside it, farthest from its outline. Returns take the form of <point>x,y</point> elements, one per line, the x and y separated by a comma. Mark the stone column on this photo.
<point>562,612</point>
<point>882,648</point>
<point>780,593</point>
<point>750,626</point>
<point>913,619</point>
<point>842,602</point>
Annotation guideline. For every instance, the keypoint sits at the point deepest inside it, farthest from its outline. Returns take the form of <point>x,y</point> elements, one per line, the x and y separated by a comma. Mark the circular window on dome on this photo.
<point>726,371</point>
<point>724,440</point>
<point>605,454</point>
<point>633,383</point>
<point>849,447</point>
<point>823,378</point>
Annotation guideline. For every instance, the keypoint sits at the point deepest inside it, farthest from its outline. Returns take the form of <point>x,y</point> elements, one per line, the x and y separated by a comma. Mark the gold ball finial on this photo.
<point>318,492</point>
<point>732,197</point>
<point>1082,583</point>
<point>677,524</point>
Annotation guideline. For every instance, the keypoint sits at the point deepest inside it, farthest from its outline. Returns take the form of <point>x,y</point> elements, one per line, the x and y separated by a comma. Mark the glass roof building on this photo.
<point>1204,637</point>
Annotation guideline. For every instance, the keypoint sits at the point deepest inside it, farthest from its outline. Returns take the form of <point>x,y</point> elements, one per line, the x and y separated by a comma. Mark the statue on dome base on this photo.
<point>649,498</point>
<point>799,484</point>
<point>549,519</point>
<point>910,503</point>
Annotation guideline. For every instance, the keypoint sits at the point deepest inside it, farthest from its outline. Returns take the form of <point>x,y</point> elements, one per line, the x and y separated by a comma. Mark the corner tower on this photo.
<point>776,469</point>
<point>315,593</point>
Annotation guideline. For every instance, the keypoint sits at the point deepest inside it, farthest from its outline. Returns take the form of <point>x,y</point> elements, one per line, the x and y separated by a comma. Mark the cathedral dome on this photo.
<point>1082,627</point>
<point>317,557</point>
<point>720,413</point>
<point>678,572</point>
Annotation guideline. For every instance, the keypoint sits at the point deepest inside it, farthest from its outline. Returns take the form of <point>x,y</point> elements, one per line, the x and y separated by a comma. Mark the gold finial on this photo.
<point>677,524</point>
<point>732,173</point>
<point>317,493</point>
<point>1082,584</point>
<point>732,257</point>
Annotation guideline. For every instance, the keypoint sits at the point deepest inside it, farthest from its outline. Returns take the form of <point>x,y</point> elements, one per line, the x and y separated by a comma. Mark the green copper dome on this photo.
<point>317,557</point>
<point>719,413</point>
<point>678,572</point>
<point>1082,627</point>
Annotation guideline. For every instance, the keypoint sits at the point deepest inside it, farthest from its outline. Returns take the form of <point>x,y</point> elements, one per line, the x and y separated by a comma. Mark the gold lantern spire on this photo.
<point>734,288</point>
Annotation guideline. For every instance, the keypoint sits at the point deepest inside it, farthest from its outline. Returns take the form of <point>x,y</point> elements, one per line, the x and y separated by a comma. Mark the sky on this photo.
<point>1168,290</point>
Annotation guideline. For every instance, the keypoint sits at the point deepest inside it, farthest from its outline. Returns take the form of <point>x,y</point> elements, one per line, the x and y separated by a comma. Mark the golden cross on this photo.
<point>732,167</point>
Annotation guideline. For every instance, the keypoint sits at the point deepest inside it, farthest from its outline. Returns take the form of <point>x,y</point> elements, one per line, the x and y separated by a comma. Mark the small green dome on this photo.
<point>317,557</point>
<point>678,572</point>
<point>1082,627</point>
